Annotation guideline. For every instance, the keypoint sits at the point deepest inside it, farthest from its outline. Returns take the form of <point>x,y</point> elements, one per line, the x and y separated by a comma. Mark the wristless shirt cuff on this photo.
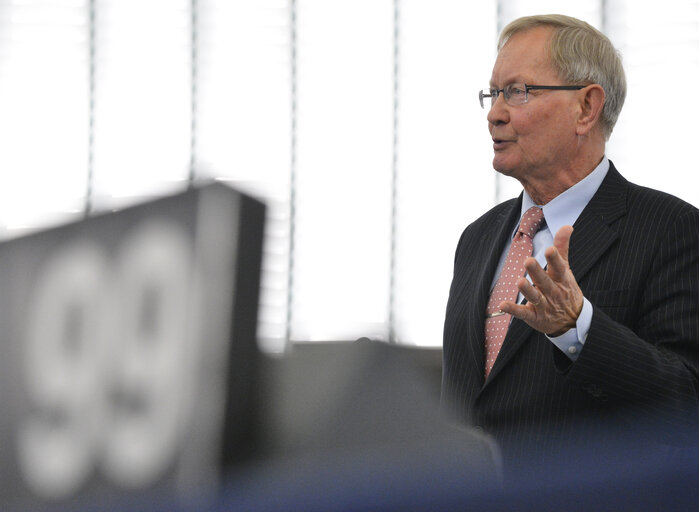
<point>572,341</point>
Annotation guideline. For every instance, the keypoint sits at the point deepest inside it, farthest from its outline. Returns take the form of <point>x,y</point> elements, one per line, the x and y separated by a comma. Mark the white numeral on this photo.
<point>106,362</point>
<point>150,337</point>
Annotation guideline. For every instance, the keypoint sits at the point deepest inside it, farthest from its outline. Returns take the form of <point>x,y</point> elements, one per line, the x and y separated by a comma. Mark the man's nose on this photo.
<point>498,112</point>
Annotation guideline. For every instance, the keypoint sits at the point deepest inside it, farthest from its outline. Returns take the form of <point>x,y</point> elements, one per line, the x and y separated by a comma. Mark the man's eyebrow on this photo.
<point>493,85</point>
<point>516,79</point>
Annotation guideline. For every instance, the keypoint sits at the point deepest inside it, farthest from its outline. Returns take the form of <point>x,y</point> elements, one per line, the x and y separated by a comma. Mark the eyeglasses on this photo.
<point>518,94</point>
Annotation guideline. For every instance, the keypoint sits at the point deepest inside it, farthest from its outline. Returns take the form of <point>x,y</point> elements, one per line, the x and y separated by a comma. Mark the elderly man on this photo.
<point>576,305</point>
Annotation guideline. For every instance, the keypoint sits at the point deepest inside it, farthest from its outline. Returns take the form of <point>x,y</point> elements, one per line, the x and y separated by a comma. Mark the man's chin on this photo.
<point>503,169</point>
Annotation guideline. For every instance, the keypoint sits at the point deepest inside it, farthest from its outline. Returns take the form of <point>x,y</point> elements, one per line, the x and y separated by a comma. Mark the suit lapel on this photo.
<point>593,235</point>
<point>591,238</point>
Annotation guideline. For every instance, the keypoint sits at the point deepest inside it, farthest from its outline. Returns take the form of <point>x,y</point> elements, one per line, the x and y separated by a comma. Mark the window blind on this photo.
<point>444,172</point>
<point>142,100</point>
<point>651,143</point>
<point>243,128</point>
<point>357,123</point>
<point>344,155</point>
<point>44,101</point>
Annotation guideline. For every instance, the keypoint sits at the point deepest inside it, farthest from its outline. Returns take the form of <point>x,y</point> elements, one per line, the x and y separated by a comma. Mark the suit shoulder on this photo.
<point>659,205</point>
<point>495,214</point>
<point>490,220</point>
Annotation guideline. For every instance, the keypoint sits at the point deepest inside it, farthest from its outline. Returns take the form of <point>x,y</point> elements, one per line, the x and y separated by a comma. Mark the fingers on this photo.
<point>553,294</point>
<point>541,278</point>
<point>561,241</point>
<point>522,311</point>
<point>530,292</point>
<point>556,260</point>
<point>556,264</point>
<point>557,255</point>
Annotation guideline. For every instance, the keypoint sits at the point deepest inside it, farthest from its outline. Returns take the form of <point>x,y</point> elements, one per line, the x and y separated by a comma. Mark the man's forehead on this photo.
<point>524,57</point>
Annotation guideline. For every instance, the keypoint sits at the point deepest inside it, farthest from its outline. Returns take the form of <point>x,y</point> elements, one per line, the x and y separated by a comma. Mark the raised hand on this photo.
<point>555,300</point>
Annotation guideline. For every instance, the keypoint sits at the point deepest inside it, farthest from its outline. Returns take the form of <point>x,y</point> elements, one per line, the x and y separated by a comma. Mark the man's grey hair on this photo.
<point>581,55</point>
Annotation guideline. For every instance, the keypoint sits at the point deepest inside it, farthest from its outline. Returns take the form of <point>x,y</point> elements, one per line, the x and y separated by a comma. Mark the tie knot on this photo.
<point>531,221</point>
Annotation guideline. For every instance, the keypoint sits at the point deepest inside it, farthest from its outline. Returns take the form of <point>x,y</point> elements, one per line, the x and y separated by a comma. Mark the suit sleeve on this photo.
<point>651,367</point>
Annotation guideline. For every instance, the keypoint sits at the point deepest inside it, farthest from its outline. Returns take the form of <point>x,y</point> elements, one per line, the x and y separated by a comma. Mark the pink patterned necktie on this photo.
<point>497,322</point>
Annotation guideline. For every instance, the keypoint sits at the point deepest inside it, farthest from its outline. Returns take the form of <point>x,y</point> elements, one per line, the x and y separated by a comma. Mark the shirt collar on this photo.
<point>565,208</point>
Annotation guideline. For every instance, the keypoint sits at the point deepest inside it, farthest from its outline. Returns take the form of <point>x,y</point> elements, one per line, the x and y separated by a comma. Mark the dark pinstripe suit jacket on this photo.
<point>635,254</point>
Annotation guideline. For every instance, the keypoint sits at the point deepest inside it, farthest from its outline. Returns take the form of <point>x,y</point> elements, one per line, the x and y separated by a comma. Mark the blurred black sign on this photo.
<point>128,349</point>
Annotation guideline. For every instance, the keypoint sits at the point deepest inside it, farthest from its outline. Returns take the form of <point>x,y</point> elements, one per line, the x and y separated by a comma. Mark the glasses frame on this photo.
<point>493,93</point>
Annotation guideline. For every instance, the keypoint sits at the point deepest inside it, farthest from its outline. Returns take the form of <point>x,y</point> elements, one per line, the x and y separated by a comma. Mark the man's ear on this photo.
<point>591,105</point>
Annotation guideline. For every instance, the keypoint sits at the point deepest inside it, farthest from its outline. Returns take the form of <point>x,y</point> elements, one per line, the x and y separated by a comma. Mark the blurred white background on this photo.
<point>357,122</point>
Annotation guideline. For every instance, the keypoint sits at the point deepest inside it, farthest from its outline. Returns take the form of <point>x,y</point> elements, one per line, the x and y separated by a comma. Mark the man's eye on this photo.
<point>516,91</point>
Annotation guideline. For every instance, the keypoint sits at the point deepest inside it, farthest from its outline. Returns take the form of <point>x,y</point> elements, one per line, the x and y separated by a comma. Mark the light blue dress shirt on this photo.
<point>561,211</point>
